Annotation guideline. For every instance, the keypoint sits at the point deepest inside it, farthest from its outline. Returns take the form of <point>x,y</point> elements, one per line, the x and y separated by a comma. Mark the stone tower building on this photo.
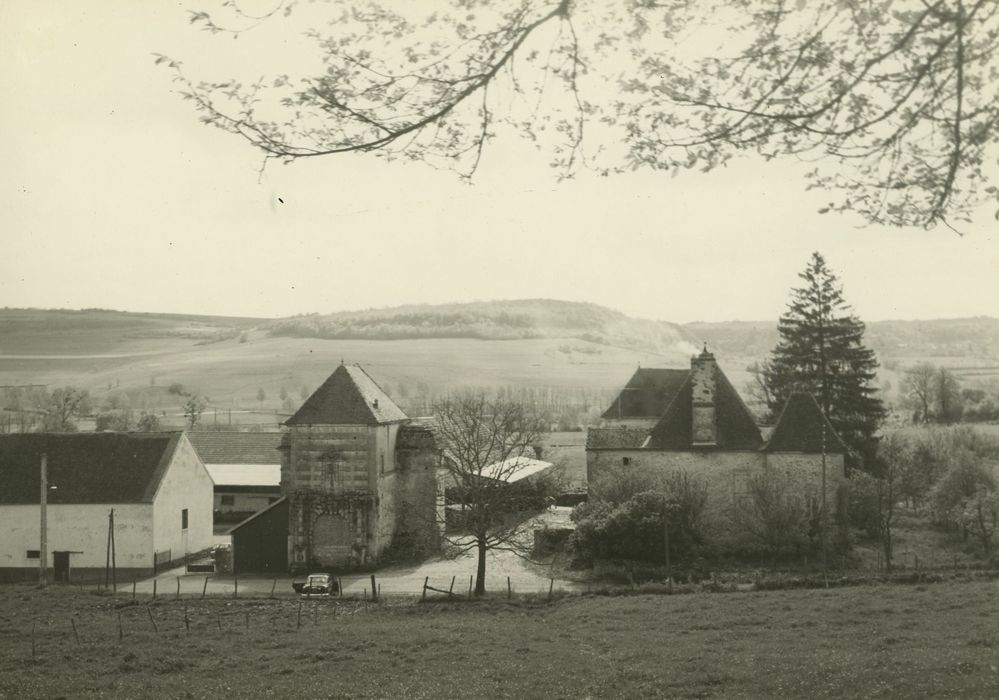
<point>358,476</point>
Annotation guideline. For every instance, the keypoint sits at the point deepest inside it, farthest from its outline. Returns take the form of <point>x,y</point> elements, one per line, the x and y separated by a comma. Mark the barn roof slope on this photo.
<point>800,428</point>
<point>647,394</point>
<point>735,426</point>
<point>349,397</point>
<point>237,448</point>
<point>85,467</point>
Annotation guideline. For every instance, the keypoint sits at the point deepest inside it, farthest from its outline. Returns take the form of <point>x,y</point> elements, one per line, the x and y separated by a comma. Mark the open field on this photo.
<point>230,372</point>
<point>230,359</point>
<point>934,640</point>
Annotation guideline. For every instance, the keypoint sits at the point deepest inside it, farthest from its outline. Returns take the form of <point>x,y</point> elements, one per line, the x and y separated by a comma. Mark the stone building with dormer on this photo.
<point>357,474</point>
<point>694,420</point>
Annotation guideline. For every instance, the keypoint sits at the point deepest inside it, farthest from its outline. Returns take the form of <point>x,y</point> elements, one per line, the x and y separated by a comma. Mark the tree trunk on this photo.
<point>480,573</point>
<point>886,542</point>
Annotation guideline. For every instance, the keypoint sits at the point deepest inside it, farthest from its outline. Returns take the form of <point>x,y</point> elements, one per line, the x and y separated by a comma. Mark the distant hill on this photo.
<point>945,341</point>
<point>583,351</point>
<point>494,320</point>
<point>93,331</point>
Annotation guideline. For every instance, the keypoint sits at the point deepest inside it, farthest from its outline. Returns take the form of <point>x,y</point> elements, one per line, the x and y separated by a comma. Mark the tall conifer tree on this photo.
<point>820,350</point>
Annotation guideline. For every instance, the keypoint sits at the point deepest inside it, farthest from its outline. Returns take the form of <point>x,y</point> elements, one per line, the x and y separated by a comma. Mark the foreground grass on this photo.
<point>937,640</point>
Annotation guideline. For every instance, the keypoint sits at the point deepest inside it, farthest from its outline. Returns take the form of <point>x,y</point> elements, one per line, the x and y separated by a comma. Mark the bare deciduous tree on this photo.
<point>484,445</point>
<point>896,98</point>
<point>894,456</point>
<point>916,390</point>
<point>193,408</point>
<point>775,515</point>
<point>62,407</point>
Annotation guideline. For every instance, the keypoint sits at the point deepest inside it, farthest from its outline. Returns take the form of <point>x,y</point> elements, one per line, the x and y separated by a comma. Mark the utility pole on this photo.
<point>669,569</point>
<point>114,565</point>
<point>825,539</point>
<point>43,555</point>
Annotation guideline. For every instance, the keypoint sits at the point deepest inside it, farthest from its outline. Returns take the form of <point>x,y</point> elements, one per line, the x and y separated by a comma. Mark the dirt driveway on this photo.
<point>395,580</point>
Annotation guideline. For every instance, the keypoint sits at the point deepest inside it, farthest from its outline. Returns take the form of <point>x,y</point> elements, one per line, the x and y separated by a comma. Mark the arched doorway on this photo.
<point>331,540</point>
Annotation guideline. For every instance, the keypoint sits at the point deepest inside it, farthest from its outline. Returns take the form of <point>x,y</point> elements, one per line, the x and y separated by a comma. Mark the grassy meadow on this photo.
<point>912,641</point>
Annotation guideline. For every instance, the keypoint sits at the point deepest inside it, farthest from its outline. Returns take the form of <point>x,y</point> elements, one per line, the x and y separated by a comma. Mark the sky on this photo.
<point>112,195</point>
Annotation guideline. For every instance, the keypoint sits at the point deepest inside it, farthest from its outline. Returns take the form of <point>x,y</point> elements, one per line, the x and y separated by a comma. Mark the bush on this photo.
<point>636,529</point>
<point>863,504</point>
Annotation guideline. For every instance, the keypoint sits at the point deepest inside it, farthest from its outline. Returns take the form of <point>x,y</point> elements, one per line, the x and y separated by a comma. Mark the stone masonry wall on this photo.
<point>727,473</point>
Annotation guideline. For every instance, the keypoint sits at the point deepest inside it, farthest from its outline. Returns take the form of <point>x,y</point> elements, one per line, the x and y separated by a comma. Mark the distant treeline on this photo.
<point>507,320</point>
<point>411,325</point>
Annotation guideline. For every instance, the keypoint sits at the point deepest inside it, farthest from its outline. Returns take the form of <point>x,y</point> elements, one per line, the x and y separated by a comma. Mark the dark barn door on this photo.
<point>60,562</point>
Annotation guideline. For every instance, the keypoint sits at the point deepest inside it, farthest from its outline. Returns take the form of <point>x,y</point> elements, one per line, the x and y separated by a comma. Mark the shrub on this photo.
<point>636,528</point>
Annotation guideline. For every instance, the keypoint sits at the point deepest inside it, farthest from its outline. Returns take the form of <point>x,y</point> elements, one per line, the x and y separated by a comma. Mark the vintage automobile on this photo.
<point>316,585</point>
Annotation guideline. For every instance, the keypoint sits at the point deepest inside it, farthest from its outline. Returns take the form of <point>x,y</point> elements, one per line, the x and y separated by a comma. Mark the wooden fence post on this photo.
<point>75,633</point>
<point>551,587</point>
<point>178,588</point>
<point>187,621</point>
<point>133,590</point>
<point>298,624</point>
<point>204,588</point>
<point>509,589</point>
<point>426,580</point>
<point>469,587</point>
<point>451,587</point>
<point>154,589</point>
<point>273,586</point>
<point>235,586</point>
<point>374,589</point>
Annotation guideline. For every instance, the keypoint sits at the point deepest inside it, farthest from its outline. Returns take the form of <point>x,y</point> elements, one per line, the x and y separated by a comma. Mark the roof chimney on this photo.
<point>703,377</point>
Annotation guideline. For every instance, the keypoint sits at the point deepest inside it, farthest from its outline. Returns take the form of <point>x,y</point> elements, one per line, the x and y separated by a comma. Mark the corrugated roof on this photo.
<point>85,467</point>
<point>348,397</point>
<point>799,428</point>
<point>647,394</point>
<point>735,426</point>
<point>615,438</point>
<point>514,469</point>
<point>237,448</point>
<point>245,474</point>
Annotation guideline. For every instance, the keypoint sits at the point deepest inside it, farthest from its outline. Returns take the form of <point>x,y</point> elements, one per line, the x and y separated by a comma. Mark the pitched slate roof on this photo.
<point>237,448</point>
<point>348,397</point>
<point>615,438</point>
<point>736,428</point>
<point>85,467</point>
<point>799,428</point>
<point>415,437</point>
<point>647,393</point>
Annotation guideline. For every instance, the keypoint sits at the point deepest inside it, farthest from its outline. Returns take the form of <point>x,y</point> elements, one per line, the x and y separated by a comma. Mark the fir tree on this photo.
<point>820,350</point>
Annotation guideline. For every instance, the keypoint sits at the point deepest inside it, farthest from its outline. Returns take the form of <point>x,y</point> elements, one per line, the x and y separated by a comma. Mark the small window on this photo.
<point>34,554</point>
<point>183,519</point>
<point>228,500</point>
<point>626,461</point>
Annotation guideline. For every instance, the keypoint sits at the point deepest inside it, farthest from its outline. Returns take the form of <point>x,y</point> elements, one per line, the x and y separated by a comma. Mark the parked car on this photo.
<point>316,585</point>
